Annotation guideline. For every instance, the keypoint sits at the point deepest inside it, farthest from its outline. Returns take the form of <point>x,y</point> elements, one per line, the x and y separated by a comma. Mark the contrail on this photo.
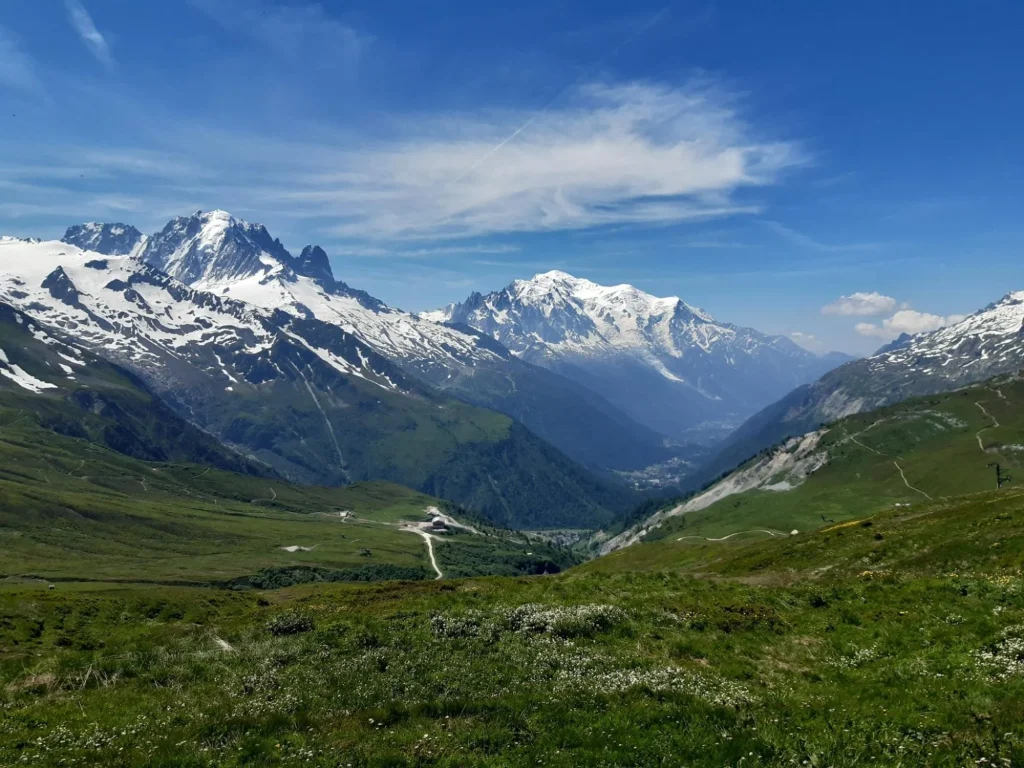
<point>655,19</point>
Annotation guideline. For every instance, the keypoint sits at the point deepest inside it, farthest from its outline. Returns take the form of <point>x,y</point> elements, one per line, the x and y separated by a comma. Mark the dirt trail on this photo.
<point>430,548</point>
<point>858,442</point>
<point>907,483</point>
<point>993,425</point>
<point>773,534</point>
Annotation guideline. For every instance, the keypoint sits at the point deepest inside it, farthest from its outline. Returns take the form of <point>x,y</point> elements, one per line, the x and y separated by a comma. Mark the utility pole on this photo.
<point>1000,477</point>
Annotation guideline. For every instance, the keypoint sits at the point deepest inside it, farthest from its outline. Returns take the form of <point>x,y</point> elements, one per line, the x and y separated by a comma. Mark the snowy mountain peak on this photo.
<point>628,344</point>
<point>214,247</point>
<point>556,284</point>
<point>108,239</point>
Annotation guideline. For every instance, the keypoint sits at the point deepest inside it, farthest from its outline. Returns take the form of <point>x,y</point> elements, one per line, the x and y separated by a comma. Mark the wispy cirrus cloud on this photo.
<point>612,155</point>
<point>90,35</point>
<point>804,240</point>
<point>627,154</point>
<point>860,303</point>
<point>17,68</point>
<point>302,34</point>
<point>374,251</point>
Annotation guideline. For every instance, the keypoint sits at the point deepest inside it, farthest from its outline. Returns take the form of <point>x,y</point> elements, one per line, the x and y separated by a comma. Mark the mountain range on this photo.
<point>668,365</point>
<point>214,252</point>
<point>529,405</point>
<point>987,343</point>
<point>303,396</point>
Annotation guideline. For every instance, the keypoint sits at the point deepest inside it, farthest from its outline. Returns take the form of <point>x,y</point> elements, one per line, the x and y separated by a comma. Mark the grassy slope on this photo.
<point>70,510</point>
<point>479,459</point>
<point>890,644</point>
<point>933,438</point>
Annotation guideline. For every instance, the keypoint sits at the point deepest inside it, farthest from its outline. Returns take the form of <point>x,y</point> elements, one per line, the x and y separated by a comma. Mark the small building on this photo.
<point>438,524</point>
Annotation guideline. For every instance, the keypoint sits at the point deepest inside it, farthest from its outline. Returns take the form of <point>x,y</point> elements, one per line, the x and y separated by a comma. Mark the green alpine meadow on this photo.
<point>505,385</point>
<point>894,639</point>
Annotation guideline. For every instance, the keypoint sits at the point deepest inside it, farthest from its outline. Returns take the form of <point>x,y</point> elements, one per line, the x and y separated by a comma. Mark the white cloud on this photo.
<point>807,340</point>
<point>806,241</point>
<point>607,155</point>
<point>425,253</point>
<point>628,154</point>
<point>907,321</point>
<point>301,34</point>
<point>860,304</point>
<point>17,69</point>
<point>86,29</point>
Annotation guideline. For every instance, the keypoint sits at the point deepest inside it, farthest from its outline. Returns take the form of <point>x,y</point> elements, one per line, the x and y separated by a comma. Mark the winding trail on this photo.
<point>773,534</point>
<point>858,442</point>
<point>430,549</point>
<point>907,483</point>
<point>993,425</point>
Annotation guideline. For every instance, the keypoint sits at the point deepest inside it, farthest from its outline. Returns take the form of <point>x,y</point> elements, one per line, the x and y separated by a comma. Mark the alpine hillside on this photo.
<point>100,481</point>
<point>231,258</point>
<point>985,344</point>
<point>910,453</point>
<point>667,364</point>
<point>305,397</point>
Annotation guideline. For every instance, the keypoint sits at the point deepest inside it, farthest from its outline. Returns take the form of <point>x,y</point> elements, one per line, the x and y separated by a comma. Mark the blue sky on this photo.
<point>761,160</point>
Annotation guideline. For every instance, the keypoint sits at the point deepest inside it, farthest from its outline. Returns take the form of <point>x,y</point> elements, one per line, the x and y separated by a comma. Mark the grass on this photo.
<point>351,431</point>
<point>934,439</point>
<point>894,640</point>
<point>70,510</point>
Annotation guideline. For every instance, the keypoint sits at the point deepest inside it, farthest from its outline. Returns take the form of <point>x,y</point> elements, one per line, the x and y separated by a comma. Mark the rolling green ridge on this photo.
<point>478,459</point>
<point>920,449</point>
<point>894,640</point>
<point>70,510</point>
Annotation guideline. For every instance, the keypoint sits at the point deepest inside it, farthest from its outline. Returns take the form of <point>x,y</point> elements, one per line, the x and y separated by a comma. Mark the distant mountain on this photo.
<point>216,252</point>
<point>668,365</point>
<point>920,450</point>
<point>109,239</point>
<point>66,388</point>
<point>307,397</point>
<point>985,344</point>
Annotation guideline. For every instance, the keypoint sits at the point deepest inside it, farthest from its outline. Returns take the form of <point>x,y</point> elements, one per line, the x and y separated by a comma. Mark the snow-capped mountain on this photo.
<point>669,365</point>
<point>111,239</point>
<point>241,265</point>
<point>232,258</point>
<point>211,247</point>
<point>304,396</point>
<point>985,344</point>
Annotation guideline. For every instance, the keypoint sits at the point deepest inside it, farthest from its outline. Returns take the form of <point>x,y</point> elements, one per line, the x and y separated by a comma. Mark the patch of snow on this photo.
<point>26,380</point>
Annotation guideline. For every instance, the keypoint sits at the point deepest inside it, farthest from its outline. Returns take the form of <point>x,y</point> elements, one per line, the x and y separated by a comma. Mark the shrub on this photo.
<point>289,623</point>
<point>564,621</point>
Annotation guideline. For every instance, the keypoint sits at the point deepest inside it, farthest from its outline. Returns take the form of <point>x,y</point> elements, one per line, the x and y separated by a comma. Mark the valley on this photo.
<point>769,652</point>
<point>511,385</point>
<point>920,450</point>
<point>252,516</point>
